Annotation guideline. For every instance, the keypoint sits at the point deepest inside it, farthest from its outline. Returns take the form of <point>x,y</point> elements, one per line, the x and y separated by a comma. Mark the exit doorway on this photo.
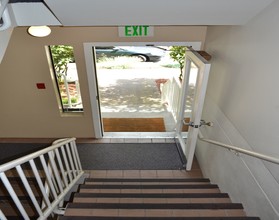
<point>130,80</point>
<point>104,83</point>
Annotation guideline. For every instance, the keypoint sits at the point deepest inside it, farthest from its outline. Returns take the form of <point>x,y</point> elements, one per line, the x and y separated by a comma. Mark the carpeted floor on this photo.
<point>134,125</point>
<point>147,156</point>
<point>112,156</point>
<point>11,151</point>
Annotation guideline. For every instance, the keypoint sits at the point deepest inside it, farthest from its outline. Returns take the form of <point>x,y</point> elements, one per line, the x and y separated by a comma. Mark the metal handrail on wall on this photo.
<point>61,175</point>
<point>240,150</point>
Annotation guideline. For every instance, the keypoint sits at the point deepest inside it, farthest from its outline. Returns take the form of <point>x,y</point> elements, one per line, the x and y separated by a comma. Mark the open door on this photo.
<point>194,85</point>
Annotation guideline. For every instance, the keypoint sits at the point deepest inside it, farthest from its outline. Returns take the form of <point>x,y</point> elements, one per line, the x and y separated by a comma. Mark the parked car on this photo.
<point>145,54</point>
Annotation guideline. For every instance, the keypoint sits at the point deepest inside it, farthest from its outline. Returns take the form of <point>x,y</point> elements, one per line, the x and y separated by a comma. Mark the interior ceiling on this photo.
<point>131,12</point>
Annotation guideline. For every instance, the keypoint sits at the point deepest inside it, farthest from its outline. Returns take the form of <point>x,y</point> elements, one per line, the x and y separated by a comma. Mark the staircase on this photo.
<point>160,197</point>
<point>7,205</point>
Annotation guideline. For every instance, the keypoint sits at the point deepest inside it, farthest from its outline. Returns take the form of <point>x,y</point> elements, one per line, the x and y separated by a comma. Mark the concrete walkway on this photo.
<point>133,93</point>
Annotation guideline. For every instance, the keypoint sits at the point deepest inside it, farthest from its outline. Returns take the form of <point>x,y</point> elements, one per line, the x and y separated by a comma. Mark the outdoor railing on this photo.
<point>55,170</point>
<point>171,91</point>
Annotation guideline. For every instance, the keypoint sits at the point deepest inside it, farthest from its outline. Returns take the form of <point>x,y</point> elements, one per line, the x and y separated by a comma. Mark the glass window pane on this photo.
<point>66,76</point>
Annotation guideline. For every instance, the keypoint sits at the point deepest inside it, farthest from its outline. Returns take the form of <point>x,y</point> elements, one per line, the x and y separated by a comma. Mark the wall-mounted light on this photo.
<point>39,31</point>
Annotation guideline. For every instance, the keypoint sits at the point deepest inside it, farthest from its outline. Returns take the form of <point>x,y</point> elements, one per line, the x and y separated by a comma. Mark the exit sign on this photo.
<point>136,31</point>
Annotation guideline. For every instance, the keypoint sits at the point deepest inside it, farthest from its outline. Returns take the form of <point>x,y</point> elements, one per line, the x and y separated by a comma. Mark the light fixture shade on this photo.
<point>39,31</point>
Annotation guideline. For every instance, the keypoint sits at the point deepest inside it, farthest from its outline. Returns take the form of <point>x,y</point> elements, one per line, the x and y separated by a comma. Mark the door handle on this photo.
<point>202,123</point>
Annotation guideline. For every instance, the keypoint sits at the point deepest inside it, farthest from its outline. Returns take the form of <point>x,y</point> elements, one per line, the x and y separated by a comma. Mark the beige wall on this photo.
<point>28,112</point>
<point>242,101</point>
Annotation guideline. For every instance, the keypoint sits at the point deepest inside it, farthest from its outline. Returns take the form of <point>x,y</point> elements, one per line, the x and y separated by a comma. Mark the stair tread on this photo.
<point>165,191</point>
<point>155,206</point>
<point>152,195</point>
<point>152,198</point>
<point>161,186</point>
<point>154,218</point>
<point>147,180</point>
<point>21,197</point>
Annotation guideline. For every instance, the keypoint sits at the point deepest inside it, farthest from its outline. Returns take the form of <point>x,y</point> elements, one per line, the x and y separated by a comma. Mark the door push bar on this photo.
<point>202,123</point>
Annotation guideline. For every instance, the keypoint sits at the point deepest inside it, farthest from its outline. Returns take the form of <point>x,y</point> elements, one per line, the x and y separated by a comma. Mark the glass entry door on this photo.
<point>194,83</point>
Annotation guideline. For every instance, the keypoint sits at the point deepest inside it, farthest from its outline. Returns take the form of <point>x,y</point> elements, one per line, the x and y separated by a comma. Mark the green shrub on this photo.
<point>65,100</point>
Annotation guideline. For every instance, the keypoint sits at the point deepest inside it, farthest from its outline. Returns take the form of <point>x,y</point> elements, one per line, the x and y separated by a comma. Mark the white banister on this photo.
<point>71,159</point>
<point>40,183</point>
<point>13,195</point>
<point>2,216</point>
<point>28,189</point>
<point>61,167</point>
<point>48,177</point>
<point>3,6</point>
<point>4,14</point>
<point>66,163</point>
<point>60,177</point>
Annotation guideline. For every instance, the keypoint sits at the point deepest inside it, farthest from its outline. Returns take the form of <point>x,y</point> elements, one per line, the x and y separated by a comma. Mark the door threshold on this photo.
<point>142,134</point>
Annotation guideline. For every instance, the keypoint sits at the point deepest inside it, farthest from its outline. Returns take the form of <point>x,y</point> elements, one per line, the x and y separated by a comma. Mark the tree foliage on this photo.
<point>177,53</point>
<point>62,55</point>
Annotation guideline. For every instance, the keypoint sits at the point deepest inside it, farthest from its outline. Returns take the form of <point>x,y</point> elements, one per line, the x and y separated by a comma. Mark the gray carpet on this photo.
<point>145,156</point>
<point>11,151</point>
<point>126,156</point>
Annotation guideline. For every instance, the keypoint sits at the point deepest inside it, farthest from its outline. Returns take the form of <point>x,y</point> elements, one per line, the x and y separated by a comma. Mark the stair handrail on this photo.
<point>66,168</point>
<point>240,150</point>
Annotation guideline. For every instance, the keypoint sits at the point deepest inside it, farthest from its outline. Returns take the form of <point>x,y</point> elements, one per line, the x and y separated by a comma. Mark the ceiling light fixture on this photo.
<point>39,31</point>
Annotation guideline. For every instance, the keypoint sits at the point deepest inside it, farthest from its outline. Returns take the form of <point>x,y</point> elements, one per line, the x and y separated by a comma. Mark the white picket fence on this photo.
<point>170,96</point>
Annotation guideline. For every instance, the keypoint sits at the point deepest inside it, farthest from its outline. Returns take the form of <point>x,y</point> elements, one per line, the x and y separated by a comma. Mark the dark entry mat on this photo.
<point>147,156</point>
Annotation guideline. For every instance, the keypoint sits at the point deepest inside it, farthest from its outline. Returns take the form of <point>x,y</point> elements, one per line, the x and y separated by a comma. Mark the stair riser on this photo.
<point>19,189</point>
<point>156,206</point>
<point>149,191</point>
<point>153,213</point>
<point>151,200</point>
<point>153,187</point>
<point>144,183</point>
<point>145,180</point>
<point>10,209</point>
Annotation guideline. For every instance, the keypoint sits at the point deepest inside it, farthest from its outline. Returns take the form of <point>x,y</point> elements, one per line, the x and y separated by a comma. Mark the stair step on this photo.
<point>155,206</point>
<point>151,195</point>
<point>21,218</point>
<point>19,188</point>
<point>156,212</point>
<point>165,186</point>
<point>165,191</point>
<point>155,218</point>
<point>157,198</point>
<point>151,200</point>
<point>164,180</point>
<point>21,197</point>
<point>9,208</point>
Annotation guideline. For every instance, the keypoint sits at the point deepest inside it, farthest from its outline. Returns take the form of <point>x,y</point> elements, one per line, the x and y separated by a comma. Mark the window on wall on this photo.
<point>66,78</point>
